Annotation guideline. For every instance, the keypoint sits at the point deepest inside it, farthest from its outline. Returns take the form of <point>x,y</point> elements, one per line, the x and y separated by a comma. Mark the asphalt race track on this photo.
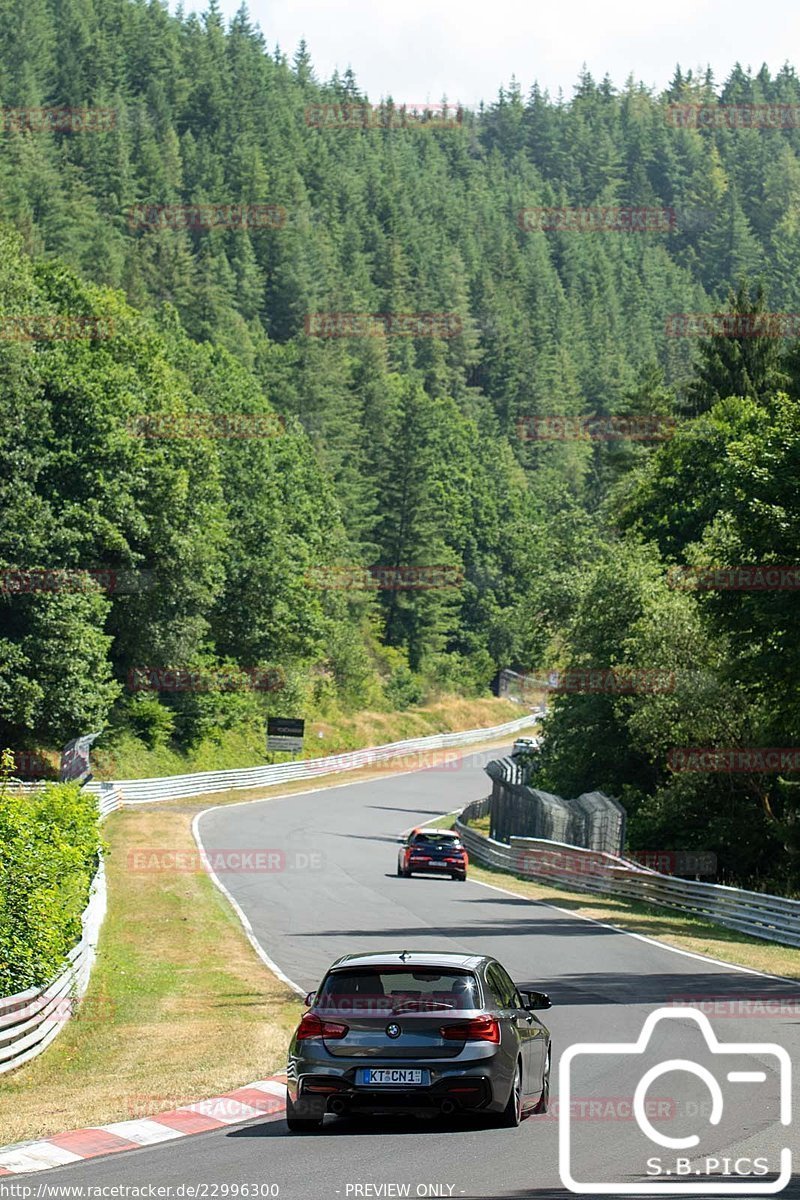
<point>338,894</point>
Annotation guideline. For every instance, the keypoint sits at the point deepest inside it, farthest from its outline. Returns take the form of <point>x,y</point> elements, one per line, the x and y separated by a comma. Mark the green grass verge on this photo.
<point>664,925</point>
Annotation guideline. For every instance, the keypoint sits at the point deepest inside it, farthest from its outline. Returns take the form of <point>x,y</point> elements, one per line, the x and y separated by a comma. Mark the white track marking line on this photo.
<point>616,928</point>
<point>215,879</point>
<point>641,937</point>
<point>330,787</point>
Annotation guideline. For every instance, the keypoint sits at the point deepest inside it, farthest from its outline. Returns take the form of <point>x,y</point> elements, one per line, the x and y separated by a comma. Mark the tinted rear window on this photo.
<point>384,990</point>
<point>436,839</point>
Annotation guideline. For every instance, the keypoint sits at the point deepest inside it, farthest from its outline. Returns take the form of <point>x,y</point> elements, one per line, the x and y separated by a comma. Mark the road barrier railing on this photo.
<point>30,1020</point>
<point>759,914</point>
<point>174,787</point>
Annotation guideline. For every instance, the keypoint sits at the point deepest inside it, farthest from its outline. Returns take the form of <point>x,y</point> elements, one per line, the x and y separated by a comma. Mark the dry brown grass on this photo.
<point>376,728</point>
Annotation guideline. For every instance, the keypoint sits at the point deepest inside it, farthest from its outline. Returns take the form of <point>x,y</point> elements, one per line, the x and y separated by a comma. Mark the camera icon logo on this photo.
<point>706,1173</point>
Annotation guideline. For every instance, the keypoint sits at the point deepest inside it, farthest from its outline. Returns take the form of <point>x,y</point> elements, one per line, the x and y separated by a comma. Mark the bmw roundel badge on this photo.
<point>393,1031</point>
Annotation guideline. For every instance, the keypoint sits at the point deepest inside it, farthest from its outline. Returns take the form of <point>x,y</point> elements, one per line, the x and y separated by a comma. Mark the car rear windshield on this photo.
<point>436,839</point>
<point>387,989</point>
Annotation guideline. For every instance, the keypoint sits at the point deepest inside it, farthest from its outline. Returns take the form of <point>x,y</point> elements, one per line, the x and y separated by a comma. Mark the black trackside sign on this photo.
<point>285,733</point>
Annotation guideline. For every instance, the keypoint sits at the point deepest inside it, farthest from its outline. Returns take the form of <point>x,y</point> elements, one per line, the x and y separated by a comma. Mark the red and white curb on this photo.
<point>266,1097</point>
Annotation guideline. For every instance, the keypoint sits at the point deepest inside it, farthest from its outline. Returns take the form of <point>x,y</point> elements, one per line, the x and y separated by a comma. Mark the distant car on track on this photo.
<point>525,745</point>
<point>432,852</point>
<point>418,1032</point>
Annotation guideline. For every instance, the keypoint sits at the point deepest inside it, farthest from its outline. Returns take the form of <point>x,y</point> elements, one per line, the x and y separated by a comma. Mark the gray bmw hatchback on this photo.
<point>418,1032</point>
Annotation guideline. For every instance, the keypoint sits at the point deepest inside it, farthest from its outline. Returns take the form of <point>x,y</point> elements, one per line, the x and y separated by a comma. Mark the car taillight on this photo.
<point>478,1029</point>
<point>313,1026</point>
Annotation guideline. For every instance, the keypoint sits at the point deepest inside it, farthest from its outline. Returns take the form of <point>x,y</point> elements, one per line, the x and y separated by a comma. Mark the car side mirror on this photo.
<point>536,1000</point>
<point>309,999</point>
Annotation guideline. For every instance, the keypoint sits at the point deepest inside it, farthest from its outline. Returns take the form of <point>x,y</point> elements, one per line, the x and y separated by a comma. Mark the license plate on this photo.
<point>399,1076</point>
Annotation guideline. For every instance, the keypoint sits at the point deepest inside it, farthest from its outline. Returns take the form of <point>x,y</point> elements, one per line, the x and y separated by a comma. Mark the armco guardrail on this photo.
<point>174,787</point>
<point>773,918</point>
<point>109,800</point>
<point>30,1020</point>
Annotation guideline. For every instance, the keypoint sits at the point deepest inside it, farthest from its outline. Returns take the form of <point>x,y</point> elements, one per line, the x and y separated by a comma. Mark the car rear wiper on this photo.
<point>411,1005</point>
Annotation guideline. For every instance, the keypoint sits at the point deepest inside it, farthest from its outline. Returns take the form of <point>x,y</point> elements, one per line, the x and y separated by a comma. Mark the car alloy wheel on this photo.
<point>512,1113</point>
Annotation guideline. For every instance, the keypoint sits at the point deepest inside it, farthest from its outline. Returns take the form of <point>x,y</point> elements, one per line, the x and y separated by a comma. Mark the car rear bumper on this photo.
<point>436,868</point>
<point>327,1093</point>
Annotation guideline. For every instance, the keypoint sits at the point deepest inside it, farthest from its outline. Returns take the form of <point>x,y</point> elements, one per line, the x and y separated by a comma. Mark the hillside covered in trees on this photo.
<point>387,450</point>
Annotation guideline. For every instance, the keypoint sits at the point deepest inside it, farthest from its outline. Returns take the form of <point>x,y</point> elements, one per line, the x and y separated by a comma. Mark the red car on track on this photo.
<point>432,852</point>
